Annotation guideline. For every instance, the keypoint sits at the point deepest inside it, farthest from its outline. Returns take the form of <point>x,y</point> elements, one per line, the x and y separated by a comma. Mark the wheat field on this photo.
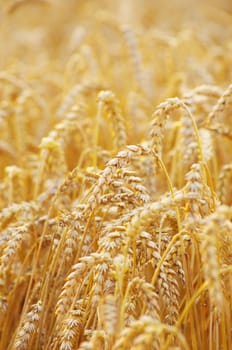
<point>116,175</point>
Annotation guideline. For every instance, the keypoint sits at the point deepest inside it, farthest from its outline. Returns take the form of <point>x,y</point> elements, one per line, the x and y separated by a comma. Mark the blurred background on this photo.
<point>155,49</point>
<point>58,26</point>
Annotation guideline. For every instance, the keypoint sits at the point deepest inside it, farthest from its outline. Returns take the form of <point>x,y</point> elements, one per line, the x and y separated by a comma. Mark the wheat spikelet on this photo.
<point>98,341</point>
<point>212,91</point>
<point>143,333</point>
<point>176,252</point>
<point>207,144</point>
<point>78,270</point>
<point>146,214</point>
<point>71,330</point>
<point>190,145</point>
<point>10,250</point>
<point>220,129</point>
<point>109,316</point>
<point>221,104</point>
<point>108,100</point>
<point>112,239</point>
<point>223,181</point>
<point>200,99</point>
<point>201,205</point>
<point>160,117</point>
<point>16,184</point>
<point>49,149</point>
<point>145,292</point>
<point>18,211</point>
<point>210,265</point>
<point>28,327</point>
<point>122,159</point>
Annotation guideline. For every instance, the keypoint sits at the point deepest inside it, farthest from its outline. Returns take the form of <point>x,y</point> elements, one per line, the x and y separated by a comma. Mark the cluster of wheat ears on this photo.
<point>115,177</point>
